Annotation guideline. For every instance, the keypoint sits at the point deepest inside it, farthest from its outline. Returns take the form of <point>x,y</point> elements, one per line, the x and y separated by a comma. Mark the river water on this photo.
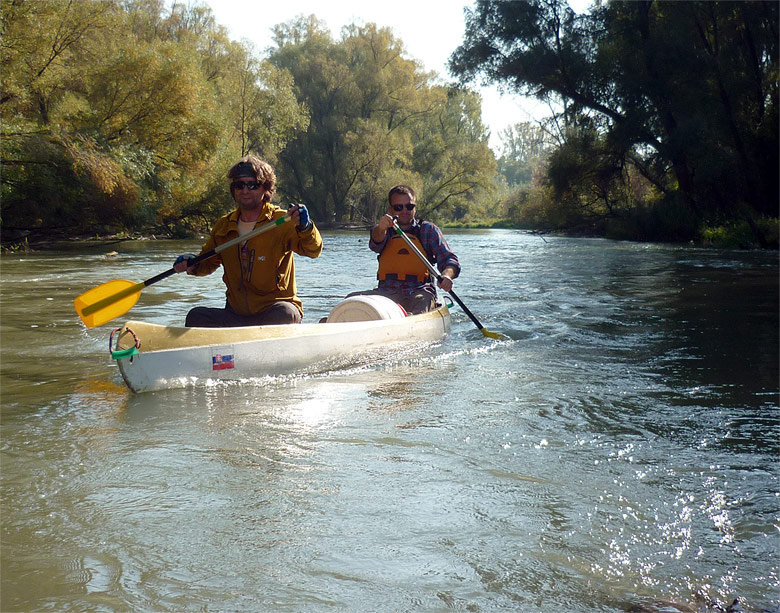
<point>620,450</point>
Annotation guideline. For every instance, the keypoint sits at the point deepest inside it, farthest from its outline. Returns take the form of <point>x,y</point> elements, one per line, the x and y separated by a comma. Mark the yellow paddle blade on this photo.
<point>107,301</point>
<point>495,335</point>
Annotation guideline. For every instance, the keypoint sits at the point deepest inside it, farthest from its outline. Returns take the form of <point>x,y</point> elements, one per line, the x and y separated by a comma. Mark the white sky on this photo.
<point>430,30</point>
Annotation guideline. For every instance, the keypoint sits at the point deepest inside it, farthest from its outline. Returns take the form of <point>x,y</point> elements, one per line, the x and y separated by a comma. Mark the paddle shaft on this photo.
<point>109,300</point>
<point>437,276</point>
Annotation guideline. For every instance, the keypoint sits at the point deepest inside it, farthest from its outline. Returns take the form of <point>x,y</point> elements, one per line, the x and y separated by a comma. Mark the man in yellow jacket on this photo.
<point>260,272</point>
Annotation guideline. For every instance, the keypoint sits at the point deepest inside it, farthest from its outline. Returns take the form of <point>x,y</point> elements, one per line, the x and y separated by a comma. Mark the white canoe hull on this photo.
<point>171,357</point>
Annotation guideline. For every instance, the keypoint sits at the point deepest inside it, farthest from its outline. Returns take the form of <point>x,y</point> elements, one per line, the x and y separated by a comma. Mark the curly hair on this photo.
<point>259,170</point>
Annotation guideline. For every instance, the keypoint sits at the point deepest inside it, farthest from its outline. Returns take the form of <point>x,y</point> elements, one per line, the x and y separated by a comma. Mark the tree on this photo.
<point>452,156</point>
<point>523,146</point>
<point>128,113</point>
<point>686,92</point>
<point>376,120</point>
<point>360,93</point>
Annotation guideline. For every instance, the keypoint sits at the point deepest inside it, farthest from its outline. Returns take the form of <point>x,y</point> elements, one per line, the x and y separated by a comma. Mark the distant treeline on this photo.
<point>124,116</point>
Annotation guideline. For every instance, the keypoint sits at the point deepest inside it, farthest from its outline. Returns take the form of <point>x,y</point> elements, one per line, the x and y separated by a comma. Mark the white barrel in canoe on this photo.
<point>365,308</point>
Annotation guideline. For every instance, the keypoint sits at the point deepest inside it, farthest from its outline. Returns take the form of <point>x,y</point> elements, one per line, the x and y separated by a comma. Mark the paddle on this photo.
<point>114,298</point>
<point>436,274</point>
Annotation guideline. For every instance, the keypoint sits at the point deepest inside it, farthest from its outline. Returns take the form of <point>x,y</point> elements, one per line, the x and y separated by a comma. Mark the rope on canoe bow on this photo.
<point>124,353</point>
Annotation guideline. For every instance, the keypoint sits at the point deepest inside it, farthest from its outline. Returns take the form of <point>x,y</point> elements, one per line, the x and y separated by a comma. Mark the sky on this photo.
<point>430,30</point>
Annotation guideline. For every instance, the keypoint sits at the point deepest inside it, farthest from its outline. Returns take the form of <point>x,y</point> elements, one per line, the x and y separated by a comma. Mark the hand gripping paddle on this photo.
<point>114,298</point>
<point>437,276</point>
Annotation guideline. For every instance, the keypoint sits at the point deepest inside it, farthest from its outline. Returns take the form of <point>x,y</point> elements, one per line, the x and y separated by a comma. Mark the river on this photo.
<point>619,451</point>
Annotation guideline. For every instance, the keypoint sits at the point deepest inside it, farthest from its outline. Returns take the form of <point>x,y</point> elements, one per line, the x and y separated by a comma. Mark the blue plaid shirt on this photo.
<point>436,248</point>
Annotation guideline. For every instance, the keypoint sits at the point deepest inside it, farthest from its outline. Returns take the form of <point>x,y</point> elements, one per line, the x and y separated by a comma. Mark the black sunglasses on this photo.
<point>400,207</point>
<point>239,185</point>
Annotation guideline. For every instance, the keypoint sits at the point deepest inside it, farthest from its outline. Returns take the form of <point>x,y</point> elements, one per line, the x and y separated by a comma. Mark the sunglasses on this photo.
<point>400,207</point>
<point>239,185</point>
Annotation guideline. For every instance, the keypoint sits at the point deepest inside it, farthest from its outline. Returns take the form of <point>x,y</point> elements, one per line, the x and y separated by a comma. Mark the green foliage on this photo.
<point>376,120</point>
<point>524,147</point>
<point>684,93</point>
<point>740,235</point>
<point>127,114</point>
<point>667,219</point>
<point>451,154</point>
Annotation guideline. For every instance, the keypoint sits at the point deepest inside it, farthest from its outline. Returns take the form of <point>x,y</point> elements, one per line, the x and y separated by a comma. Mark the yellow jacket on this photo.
<point>270,270</point>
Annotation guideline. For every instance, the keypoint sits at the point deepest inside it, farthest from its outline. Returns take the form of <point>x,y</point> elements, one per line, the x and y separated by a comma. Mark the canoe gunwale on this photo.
<point>170,357</point>
<point>155,337</point>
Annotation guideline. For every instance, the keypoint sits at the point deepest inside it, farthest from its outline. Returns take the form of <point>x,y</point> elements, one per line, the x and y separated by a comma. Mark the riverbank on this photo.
<point>14,241</point>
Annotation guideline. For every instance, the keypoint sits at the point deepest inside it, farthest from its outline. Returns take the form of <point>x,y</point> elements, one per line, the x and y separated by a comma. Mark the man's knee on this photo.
<point>279,313</point>
<point>422,302</point>
<point>204,317</point>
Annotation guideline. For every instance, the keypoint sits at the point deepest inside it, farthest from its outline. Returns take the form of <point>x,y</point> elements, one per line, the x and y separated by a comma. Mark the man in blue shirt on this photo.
<point>402,276</point>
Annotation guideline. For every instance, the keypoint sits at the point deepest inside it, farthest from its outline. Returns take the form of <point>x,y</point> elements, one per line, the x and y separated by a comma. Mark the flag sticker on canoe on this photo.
<point>222,358</point>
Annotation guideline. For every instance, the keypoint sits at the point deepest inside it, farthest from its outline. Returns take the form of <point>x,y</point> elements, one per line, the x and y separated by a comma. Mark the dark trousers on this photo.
<point>277,313</point>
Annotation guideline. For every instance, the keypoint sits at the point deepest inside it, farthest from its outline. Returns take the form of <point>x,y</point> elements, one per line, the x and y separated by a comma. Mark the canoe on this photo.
<point>153,357</point>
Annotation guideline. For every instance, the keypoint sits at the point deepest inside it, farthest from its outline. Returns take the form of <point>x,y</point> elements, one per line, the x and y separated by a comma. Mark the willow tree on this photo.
<point>376,119</point>
<point>39,39</point>
<point>685,92</point>
<point>453,159</point>
<point>361,93</point>
<point>128,113</point>
<point>523,148</point>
